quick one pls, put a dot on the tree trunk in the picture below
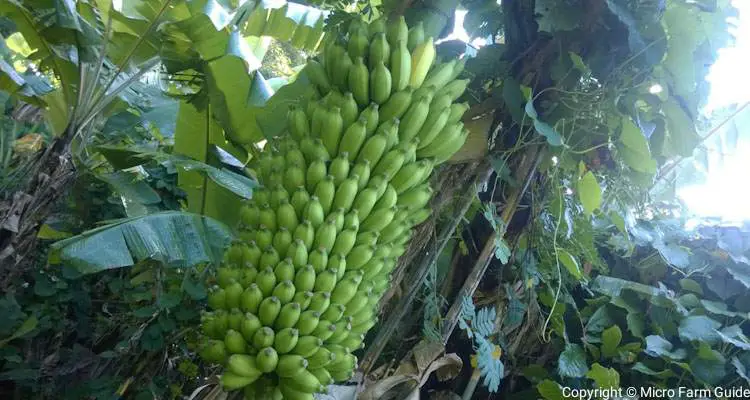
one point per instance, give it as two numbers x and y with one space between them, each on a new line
23 213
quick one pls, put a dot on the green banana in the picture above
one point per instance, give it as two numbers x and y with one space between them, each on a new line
447 135
304 382
325 190
396 105
269 258
325 236
285 340
443 153
345 290
454 89
305 231
364 202
416 197
298 124
232 295
320 302
217 298
341 68
290 365
373 149
263 337
303 298
416 36
413 119
322 375
372 116
269 309
381 83
234 342
349 110
457 111
339 168
358 44
380 51
324 330
299 199
362 172
409 175
318 259
432 127
336 217
359 81
326 281
308 345
334 312
344 242
304 280
345 194
351 219
353 139
397 30
377 26
296 256
316 171
359 256
379 219
332 130
265 282
422 58
281 241
284 291
267 359
230 381
251 297
214 351
373 268
288 316
440 75
390 163
400 66
314 213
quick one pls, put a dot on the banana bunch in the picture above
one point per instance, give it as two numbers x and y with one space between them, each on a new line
306 35
340 195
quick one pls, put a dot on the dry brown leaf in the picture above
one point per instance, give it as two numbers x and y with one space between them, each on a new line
444 395
393 387
425 352
28 144
475 147
446 367
406 386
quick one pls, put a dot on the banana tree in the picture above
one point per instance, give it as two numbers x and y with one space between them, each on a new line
74 46
96 57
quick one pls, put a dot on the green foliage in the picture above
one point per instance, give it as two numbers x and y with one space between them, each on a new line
176 239
114 326
543 128
629 298
502 251
630 302
589 193
645 322
432 324
480 327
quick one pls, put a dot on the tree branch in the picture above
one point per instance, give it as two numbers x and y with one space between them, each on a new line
526 170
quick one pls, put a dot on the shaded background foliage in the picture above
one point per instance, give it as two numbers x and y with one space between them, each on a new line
569 267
